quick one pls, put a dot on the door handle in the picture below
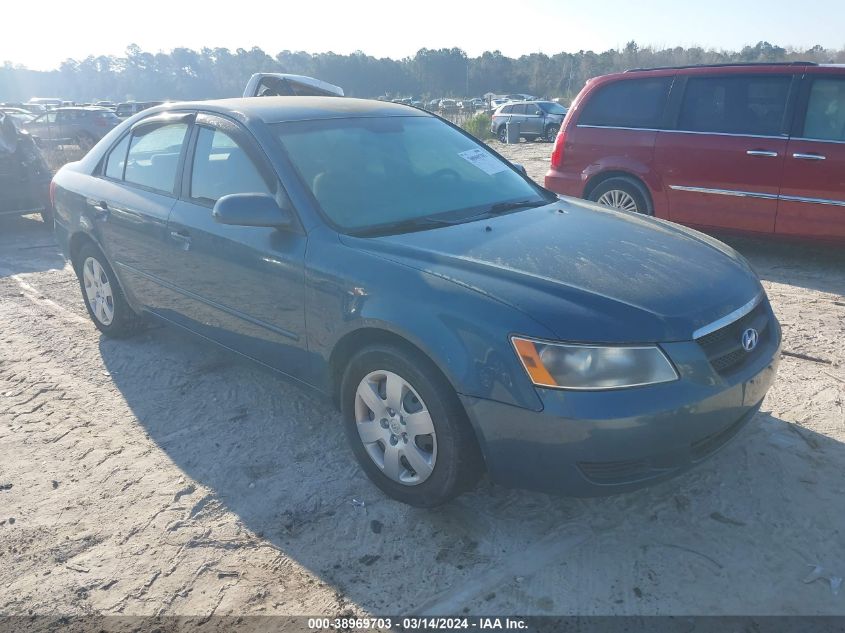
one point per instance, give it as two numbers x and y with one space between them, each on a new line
183 238
101 209
762 152
801 156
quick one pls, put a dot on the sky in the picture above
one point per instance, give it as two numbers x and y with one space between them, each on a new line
41 35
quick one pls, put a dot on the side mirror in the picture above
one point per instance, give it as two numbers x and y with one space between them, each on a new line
251 209
520 168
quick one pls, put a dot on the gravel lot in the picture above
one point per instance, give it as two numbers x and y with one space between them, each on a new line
160 475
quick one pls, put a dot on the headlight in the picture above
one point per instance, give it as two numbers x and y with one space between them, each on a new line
567 366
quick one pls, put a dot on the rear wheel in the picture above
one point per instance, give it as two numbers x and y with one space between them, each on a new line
407 427
102 295
621 194
503 134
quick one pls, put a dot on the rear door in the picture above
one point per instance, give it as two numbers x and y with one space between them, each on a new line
131 206
240 286
721 165
812 199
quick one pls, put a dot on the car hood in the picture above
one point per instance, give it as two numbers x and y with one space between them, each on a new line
585 272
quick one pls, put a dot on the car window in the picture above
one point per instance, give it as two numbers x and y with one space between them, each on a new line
634 103
222 167
117 160
50 117
153 156
506 109
377 172
825 119
735 104
553 108
532 108
518 109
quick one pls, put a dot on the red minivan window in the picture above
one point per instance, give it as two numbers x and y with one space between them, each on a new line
635 103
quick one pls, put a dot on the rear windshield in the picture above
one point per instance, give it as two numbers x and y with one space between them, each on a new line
378 172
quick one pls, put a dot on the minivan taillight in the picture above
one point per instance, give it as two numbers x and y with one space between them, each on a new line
557 150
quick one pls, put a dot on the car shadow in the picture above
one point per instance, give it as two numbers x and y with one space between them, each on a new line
276 457
813 266
27 245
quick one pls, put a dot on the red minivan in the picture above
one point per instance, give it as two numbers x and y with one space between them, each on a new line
756 148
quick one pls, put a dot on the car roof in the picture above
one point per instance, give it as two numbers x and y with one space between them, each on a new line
283 109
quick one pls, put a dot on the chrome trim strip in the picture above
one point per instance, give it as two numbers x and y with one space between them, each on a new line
816 140
736 315
782 137
726 192
835 203
763 196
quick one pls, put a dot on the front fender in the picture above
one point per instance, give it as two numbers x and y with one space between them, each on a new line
465 333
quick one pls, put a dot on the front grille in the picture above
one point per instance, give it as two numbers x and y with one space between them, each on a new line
724 346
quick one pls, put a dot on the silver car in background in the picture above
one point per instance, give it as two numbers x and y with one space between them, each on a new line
537 119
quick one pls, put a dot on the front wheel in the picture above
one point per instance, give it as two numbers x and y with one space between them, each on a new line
551 133
407 427
103 296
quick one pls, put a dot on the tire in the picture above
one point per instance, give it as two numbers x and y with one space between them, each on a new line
622 194
529 138
448 460
551 133
502 134
92 267
47 218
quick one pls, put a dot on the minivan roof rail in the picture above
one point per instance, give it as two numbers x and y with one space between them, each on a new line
727 65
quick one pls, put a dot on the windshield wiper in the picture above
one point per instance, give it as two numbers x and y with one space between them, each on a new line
504 207
400 227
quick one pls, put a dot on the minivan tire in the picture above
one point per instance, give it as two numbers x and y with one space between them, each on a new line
458 464
125 321
626 191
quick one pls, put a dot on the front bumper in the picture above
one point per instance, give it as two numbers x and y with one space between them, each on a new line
604 442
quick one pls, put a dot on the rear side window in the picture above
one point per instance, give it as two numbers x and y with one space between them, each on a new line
153 157
634 103
117 160
506 109
222 167
825 119
735 104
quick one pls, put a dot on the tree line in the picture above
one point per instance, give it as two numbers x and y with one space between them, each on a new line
218 72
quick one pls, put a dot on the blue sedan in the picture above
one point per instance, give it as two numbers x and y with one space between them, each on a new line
463 318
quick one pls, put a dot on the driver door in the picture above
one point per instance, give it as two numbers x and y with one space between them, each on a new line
240 286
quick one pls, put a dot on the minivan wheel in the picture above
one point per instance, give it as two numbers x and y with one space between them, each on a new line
503 134
551 133
102 295
618 193
407 427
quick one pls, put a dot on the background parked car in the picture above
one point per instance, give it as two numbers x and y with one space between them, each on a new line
126 110
752 147
72 126
448 106
19 116
536 119
24 175
46 103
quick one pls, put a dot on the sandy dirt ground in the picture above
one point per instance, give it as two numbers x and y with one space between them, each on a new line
160 475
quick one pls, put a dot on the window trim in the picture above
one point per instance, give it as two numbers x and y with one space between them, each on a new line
187 117
215 121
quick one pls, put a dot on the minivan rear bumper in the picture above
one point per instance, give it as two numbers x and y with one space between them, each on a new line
597 443
567 184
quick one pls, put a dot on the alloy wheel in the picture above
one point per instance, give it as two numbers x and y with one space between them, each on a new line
618 199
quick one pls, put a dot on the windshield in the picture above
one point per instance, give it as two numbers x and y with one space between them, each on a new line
388 172
552 108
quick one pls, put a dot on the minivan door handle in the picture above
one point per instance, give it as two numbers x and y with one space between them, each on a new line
801 156
762 152
183 238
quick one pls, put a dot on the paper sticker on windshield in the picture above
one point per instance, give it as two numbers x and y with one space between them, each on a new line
484 161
